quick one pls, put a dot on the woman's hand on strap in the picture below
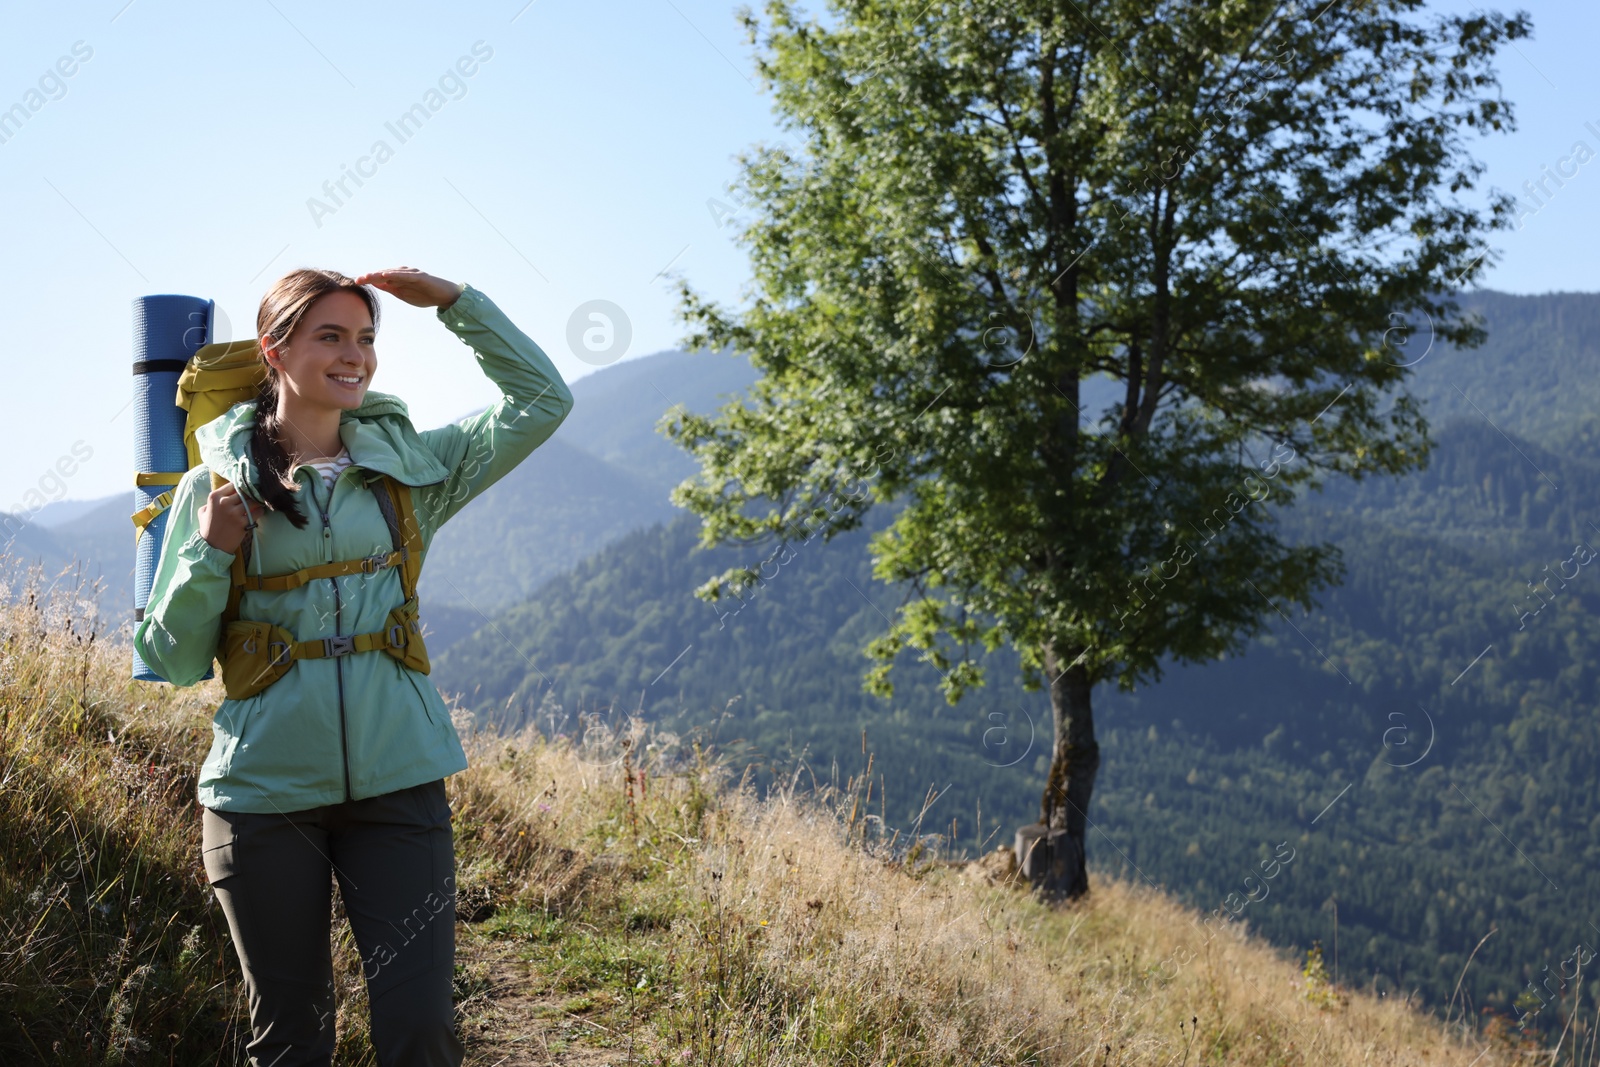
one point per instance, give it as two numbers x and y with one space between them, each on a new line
224 517
415 287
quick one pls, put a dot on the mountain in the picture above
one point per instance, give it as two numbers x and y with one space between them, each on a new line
555 508
1425 737
615 410
60 512
1538 375
601 475
25 545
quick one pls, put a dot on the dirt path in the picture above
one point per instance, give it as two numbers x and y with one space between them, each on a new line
514 1019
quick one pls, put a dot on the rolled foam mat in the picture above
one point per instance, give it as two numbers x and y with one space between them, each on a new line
167 330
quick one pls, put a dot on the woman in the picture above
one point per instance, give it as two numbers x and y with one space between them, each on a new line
339 764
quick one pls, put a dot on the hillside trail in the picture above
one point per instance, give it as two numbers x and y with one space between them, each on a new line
516 1019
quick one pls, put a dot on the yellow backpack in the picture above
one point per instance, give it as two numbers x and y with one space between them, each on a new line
216 377
254 654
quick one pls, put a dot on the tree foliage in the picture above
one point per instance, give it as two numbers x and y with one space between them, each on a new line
1224 210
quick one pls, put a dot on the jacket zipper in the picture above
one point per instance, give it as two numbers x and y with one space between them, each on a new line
338 661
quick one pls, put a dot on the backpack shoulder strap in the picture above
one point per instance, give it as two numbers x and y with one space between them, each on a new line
240 554
236 588
394 500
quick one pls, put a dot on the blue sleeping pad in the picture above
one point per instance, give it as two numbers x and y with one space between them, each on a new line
167 330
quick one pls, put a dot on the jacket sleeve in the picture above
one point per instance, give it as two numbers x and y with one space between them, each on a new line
483 448
182 620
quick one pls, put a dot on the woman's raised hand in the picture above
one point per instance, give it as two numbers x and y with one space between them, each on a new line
414 286
225 516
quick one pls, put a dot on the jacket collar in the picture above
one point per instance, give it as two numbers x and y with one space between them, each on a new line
378 434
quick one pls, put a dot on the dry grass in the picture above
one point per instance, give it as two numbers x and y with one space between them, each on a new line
622 900
108 944
792 943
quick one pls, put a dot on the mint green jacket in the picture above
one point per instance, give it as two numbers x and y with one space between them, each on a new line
358 725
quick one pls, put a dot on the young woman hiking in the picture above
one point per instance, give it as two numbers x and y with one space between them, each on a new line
335 770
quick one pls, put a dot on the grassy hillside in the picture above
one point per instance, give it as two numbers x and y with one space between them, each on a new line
624 897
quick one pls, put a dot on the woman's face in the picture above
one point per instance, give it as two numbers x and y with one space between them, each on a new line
335 340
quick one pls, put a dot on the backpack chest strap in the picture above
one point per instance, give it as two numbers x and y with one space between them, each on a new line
278 583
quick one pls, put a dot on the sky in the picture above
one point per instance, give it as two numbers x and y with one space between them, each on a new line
193 147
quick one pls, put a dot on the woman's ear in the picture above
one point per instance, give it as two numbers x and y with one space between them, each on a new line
271 353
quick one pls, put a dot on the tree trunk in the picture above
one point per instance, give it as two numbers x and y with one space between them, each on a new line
1051 851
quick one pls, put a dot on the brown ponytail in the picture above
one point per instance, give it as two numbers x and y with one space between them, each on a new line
282 308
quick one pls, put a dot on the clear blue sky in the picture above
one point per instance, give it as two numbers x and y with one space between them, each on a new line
573 164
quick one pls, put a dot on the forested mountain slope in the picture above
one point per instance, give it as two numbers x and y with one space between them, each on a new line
1426 738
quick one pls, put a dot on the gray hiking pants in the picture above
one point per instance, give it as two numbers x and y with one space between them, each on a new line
394 858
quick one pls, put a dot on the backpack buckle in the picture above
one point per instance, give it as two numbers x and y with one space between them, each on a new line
374 563
279 659
397 636
339 646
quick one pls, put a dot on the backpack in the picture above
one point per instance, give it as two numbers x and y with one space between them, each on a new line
256 653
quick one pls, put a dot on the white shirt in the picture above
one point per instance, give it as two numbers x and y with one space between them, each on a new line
330 468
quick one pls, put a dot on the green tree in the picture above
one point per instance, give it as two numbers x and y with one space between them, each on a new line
1229 215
